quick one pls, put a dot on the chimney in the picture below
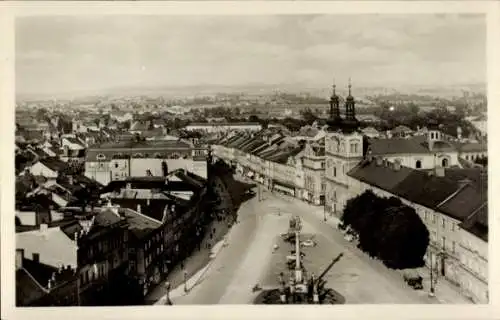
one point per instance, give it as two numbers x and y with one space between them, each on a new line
439 171
19 258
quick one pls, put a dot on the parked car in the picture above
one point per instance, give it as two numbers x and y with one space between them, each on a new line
414 280
308 243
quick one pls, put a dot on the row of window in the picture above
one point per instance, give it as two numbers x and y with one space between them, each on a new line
102 157
473 157
433 217
156 238
94 273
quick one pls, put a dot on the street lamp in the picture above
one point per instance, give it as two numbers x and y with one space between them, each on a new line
185 281
324 211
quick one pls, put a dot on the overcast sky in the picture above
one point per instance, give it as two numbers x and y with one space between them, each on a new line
66 54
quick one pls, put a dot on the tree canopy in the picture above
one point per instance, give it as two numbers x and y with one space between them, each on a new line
387 230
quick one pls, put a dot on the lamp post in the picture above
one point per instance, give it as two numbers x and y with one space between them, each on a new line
185 281
324 211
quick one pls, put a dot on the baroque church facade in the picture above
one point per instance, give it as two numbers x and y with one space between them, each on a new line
343 151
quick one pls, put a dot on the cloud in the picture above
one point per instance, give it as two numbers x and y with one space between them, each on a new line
66 53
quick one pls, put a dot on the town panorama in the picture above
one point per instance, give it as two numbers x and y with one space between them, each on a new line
332 193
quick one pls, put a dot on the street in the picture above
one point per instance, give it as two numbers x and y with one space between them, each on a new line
248 259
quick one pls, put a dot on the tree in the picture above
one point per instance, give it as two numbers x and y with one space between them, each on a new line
308 116
253 118
387 229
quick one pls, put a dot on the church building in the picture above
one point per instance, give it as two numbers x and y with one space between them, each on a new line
343 151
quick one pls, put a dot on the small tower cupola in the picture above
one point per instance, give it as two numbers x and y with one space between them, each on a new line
350 111
334 119
433 136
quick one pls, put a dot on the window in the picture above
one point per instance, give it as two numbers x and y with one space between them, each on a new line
443 242
322 165
443 222
334 171
36 257
453 246
425 216
354 148
444 163
418 164
433 218
116 164
452 226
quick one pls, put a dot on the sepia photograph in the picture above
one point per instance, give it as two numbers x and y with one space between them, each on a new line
258 159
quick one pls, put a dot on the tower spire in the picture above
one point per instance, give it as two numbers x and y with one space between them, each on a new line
335 119
351 123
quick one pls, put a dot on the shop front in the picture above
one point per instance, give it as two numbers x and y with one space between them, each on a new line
285 188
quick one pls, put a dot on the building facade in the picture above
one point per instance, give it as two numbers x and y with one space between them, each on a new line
117 161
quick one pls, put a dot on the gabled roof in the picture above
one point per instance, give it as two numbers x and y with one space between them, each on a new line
140 225
256 143
54 164
450 194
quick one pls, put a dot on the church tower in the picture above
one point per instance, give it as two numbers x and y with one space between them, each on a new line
343 151
334 122
350 123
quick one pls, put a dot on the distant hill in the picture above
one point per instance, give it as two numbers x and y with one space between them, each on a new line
172 92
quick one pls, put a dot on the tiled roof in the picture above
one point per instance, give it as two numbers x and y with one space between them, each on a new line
427 190
184 183
256 143
477 223
129 148
449 194
107 218
28 291
380 176
225 124
472 147
233 143
54 164
413 145
140 225
467 200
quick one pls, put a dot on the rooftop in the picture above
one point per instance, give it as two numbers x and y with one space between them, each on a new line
457 194
140 225
413 145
